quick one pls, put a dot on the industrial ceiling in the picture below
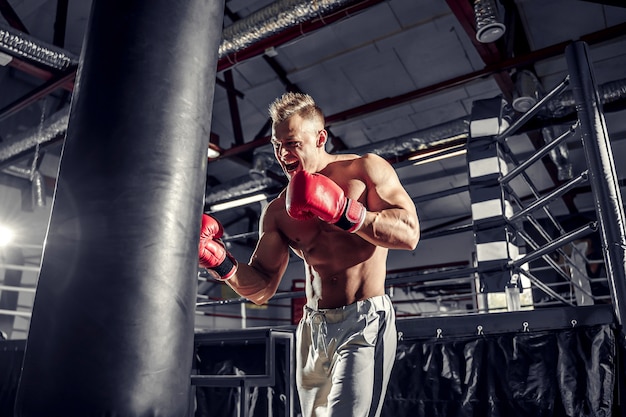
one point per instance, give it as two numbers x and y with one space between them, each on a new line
394 77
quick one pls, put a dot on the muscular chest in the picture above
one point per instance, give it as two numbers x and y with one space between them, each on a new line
307 236
352 186
322 244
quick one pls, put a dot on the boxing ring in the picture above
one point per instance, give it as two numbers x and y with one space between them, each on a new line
558 357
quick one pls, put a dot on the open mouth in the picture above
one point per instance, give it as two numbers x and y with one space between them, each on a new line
292 166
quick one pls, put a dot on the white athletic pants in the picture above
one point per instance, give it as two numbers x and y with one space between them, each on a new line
344 358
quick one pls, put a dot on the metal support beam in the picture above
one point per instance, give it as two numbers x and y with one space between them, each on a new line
597 147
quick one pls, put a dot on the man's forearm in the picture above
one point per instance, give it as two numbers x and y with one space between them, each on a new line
250 284
391 228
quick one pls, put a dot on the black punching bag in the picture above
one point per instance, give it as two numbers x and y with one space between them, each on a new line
112 326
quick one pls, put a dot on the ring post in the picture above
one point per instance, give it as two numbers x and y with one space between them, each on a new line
603 176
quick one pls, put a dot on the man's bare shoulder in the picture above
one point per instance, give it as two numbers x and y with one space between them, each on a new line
276 206
372 158
346 157
366 163
343 161
368 158
274 215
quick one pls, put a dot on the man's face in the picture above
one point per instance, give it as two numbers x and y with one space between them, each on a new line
297 142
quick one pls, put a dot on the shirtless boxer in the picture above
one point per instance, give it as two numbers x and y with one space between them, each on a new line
341 214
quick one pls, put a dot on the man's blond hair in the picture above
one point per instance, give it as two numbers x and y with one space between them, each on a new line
290 104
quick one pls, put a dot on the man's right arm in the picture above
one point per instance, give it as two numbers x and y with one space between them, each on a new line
259 279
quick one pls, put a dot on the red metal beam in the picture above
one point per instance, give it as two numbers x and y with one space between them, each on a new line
38 93
40 73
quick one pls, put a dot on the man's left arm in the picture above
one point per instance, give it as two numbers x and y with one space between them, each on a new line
391 219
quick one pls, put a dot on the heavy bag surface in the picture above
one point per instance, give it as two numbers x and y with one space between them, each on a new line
112 326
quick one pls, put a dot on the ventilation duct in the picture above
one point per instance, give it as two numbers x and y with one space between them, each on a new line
18 172
238 188
48 130
560 154
18 43
565 104
37 186
263 162
273 19
262 24
417 141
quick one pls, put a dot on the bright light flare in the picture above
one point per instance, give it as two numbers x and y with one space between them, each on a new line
6 235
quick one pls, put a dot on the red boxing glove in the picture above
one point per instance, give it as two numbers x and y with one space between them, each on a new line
310 195
212 254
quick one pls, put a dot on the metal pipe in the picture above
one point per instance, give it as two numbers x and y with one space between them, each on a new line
446 232
551 246
15 313
545 200
240 300
440 194
20 267
16 289
527 180
543 287
421 277
391 281
538 155
247 235
547 259
23 245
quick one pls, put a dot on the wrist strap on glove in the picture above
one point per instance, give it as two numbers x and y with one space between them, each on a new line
352 217
226 269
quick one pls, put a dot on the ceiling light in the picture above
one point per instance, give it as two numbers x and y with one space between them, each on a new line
6 235
238 202
438 155
488 27
271 52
